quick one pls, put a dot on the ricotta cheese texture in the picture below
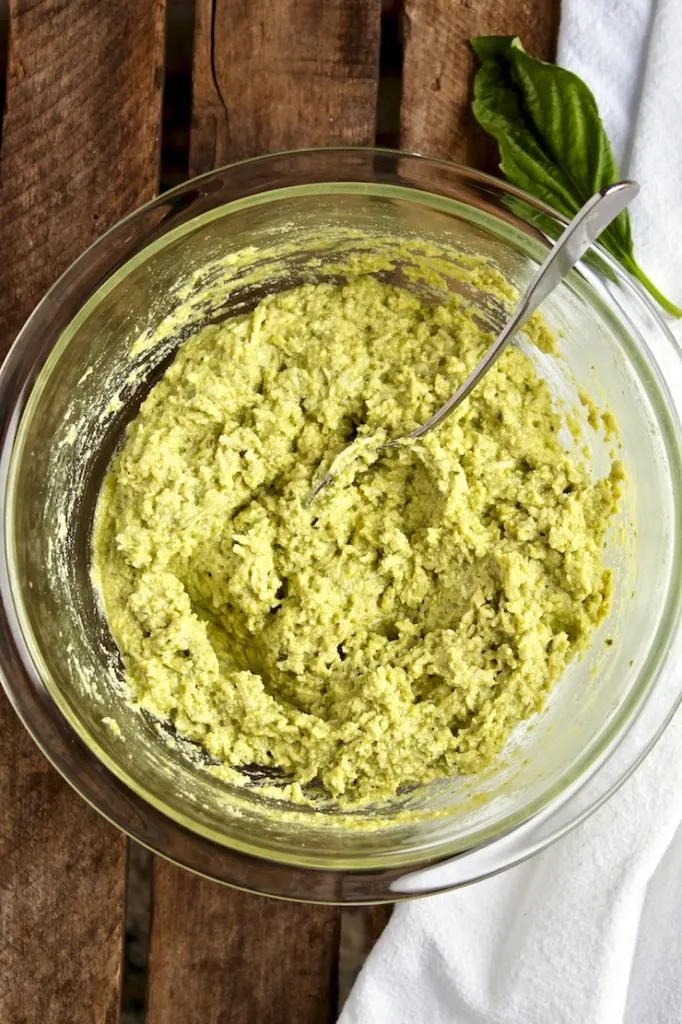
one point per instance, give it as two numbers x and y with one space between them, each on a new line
396 630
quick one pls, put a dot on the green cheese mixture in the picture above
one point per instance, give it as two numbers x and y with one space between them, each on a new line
396 630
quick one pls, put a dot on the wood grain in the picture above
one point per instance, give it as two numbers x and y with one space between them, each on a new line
219 956
79 149
81 131
62 889
280 74
439 65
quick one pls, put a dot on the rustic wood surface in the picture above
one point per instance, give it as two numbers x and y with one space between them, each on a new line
439 64
79 149
218 955
281 74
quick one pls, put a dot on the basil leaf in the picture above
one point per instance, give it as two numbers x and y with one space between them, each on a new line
499 109
551 139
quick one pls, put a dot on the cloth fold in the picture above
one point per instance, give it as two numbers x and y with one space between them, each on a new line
590 930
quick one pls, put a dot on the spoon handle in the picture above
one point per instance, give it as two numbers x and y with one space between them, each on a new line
578 236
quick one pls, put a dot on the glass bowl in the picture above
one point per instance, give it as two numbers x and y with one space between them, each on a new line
66 393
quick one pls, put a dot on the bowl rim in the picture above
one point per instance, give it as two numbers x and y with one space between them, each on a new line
163 832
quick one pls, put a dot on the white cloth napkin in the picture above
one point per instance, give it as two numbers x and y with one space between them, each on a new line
590 930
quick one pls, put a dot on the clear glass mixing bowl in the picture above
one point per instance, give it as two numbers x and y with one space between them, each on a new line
66 394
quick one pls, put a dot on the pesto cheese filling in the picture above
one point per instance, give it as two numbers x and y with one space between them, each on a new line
396 630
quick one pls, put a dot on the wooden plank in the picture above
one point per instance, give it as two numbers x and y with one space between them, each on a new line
378 918
268 75
279 74
438 69
219 956
79 149
80 136
4 41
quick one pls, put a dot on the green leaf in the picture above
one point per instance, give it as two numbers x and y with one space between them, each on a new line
491 47
498 108
551 139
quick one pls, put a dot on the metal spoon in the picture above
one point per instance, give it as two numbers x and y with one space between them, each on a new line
579 235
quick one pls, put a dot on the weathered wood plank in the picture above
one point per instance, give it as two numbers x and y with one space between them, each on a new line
279 74
378 918
80 135
79 149
439 65
219 956
268 75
